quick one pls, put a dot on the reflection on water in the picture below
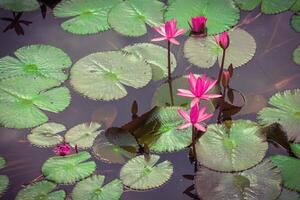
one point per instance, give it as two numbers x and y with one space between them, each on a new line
271 70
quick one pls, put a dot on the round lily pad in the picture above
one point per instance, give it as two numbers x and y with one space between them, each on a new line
68 169
19 5
83 135
34 61
203 52
131 16
4 181
260 182
160 132
46 135
155 56
288 195
286 112
247 5
22 98
296 56
276 6
41 190
295 22
213 10
87 17
141 174
227 149
2 162
290 172
295 149
102 76
92 189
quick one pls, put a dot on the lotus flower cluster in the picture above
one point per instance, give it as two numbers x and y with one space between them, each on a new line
62 149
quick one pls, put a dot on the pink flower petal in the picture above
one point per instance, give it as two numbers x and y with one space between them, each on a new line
195 101
179 32
194 114
160 30
174 41
204 117
200 127
192 81
183 114
211 96
186 125
185 93
159 39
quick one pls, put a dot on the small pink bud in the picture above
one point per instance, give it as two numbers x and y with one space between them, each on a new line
198 24
223 40
62 149
225 78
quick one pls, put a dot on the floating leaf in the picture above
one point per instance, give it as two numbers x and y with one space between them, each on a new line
46 135
2 162
155 56
288 195
19 5
213 10
88 16
4 181
232 149
286 112
83 135
296 6
141 174
296 56
290 172
160 132
203 52
260 182
102 76
41 190
112 153
247 5
295 149
21 98
34 61
276 6
295 22
68 169
131 16
92 189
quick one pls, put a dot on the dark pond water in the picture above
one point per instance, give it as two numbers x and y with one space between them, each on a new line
271 70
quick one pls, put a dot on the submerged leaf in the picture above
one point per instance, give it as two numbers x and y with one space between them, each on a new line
232 149
19 5
131 16
286 112
260 182
21 98
4 181
41 190
141 174
102 75
34 61
46 135
295 23
92 189
68 169
296 55
83 135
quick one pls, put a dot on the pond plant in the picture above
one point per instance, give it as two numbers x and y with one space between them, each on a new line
230 155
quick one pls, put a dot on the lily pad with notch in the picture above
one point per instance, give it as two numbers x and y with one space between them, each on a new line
102 75
92 189
19 5
68 169
142 174
260 182
233 146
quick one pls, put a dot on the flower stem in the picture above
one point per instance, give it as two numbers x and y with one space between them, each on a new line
222 67
194 137
169 74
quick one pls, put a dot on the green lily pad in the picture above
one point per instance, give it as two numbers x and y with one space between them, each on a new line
22 98
41 190
141 174
2 162
160 132
4 181
155 56
88 17
213 10
295 149
92 189
46 135
83 135
261 182
131 16
34 61
102 76
228 149
296 6
296 56
290 172
68 169
288 195
247 5
295 22
113 153
286 112
276 6
121 137
19 5
203 52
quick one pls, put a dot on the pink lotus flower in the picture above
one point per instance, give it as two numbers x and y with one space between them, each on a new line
198 89
199 24
169 31
223 40
62 149
195 118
